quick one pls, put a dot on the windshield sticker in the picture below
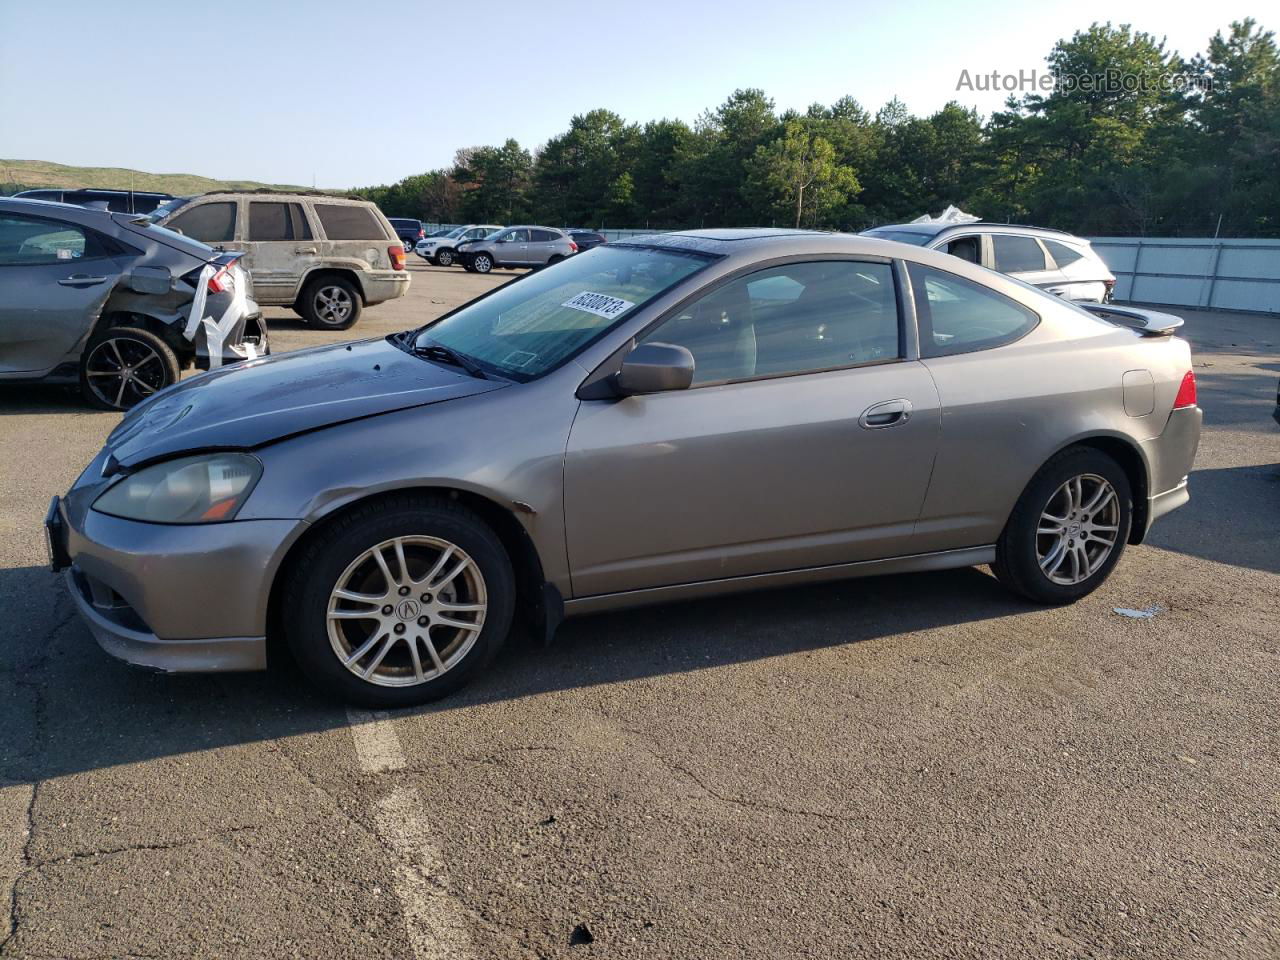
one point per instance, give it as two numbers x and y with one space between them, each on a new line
600 304
519 358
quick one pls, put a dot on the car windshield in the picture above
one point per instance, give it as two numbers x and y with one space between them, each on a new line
533 325
456 232
902 236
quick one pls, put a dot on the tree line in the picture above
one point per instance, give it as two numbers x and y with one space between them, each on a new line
1142 157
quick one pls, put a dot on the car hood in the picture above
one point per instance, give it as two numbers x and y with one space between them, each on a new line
253 403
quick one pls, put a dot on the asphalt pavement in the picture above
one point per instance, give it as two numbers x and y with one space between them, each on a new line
913 766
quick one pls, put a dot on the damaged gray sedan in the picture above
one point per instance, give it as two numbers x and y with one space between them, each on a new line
119 306
673 416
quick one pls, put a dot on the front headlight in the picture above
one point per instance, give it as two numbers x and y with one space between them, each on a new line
207 488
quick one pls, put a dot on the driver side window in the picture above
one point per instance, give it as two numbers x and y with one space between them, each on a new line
796 318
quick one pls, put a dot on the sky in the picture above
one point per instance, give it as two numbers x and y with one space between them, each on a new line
347 94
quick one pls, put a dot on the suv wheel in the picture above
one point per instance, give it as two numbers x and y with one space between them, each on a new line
124 365
331 303
444 258
1068 530
482 263
399 602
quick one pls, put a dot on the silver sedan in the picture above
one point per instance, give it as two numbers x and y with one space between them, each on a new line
675 416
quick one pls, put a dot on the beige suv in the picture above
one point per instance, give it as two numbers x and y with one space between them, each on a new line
324 256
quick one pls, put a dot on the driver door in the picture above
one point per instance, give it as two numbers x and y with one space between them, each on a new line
806 439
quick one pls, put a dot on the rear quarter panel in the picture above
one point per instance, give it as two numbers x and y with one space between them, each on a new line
1006 411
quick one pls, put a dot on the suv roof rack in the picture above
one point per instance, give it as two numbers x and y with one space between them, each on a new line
287 193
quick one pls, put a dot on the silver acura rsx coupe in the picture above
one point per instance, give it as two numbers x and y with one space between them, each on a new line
674 416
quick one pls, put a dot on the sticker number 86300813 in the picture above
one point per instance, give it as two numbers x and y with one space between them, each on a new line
602 305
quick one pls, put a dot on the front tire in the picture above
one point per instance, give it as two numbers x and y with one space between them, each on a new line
123 366
444 258
331 303
482 263
1068 529
399 602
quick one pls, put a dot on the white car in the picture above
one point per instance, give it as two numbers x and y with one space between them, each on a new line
1056 262
442 250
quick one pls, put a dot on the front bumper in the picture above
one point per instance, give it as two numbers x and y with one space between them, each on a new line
171 597
109 622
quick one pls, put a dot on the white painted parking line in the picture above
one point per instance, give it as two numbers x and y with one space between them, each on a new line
434 920
376 742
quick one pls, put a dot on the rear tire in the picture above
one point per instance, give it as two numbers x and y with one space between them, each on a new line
330 303
122 366
340 558
444 258
1068 529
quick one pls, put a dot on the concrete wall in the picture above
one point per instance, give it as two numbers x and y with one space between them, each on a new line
1217 274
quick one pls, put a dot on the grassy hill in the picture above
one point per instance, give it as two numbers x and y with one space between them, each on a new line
18 175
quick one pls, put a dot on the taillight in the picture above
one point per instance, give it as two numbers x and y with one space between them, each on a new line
397 257
573 247
224 280
421 233
1186 393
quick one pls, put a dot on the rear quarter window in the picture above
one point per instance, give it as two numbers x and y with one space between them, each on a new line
349 222
1062 254
956 315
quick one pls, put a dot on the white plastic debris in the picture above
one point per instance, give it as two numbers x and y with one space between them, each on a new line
952 214
216 332
1145 614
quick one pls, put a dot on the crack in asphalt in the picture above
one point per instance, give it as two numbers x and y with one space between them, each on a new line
26 869
37 866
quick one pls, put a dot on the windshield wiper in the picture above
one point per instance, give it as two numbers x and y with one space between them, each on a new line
438 351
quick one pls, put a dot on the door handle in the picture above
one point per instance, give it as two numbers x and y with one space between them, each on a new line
80 280
304 249
887 413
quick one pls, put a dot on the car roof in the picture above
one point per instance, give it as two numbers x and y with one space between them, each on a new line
985 226
49 207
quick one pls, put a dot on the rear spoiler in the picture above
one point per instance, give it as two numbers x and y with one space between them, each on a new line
1149 323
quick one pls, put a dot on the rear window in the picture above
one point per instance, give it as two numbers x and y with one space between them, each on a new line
342 221
1017 254
207 222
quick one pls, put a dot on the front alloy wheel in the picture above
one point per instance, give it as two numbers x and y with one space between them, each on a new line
406 611
444 258
483 263
398 600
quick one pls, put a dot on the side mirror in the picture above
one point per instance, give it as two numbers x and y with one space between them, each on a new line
150 280
655 368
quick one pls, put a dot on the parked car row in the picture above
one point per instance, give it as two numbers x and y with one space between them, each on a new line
480 247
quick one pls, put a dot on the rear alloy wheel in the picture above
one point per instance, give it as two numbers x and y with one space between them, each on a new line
444 258
1069 528
331 303
400 603
124 366
482 263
